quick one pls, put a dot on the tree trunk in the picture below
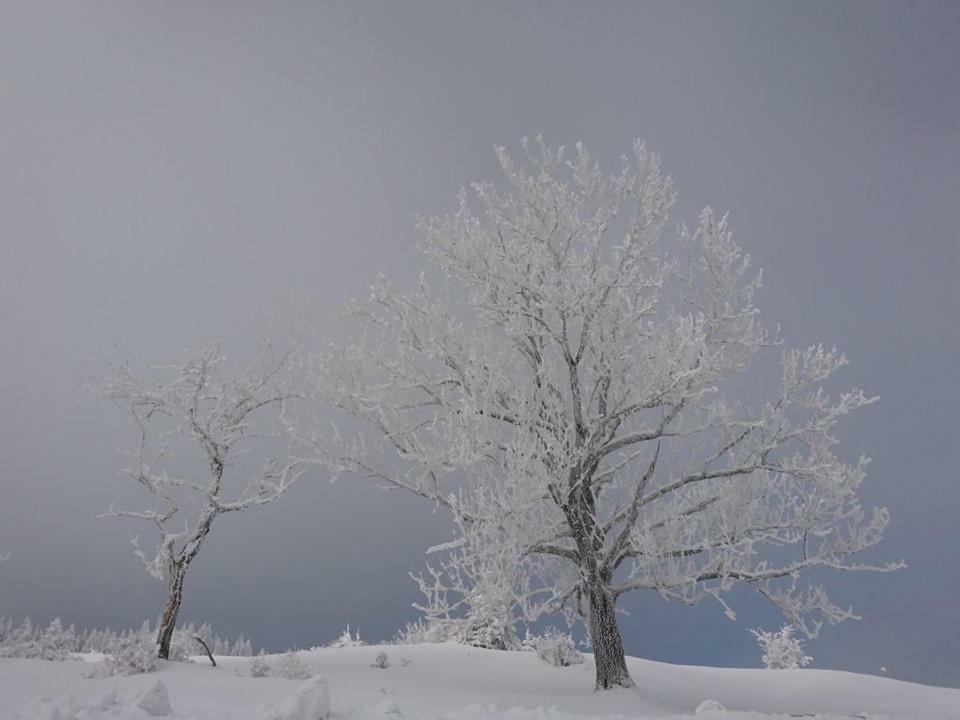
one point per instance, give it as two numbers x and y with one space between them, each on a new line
607 645
206 649
168 619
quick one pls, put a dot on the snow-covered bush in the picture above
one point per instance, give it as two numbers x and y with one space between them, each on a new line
781 650
554 647
484 632
241 648
413 633
292 665
29 641
347 640
56 642
382 661
295 666
135 656
490 632
433 630
259 667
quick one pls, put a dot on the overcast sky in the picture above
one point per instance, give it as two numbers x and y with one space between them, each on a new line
167 167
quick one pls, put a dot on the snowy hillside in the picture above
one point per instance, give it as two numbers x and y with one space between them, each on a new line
453 682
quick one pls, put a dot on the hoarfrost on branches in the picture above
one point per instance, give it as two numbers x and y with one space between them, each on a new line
346 640
294 665
554 648
126 652
565 401
206 405
781 650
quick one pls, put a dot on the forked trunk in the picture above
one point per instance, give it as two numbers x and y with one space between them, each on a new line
607 644
168 619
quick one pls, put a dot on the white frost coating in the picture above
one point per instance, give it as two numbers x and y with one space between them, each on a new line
311 701
203 404
781 650
565 400
153 699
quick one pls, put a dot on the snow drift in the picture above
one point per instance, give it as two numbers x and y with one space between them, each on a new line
455 682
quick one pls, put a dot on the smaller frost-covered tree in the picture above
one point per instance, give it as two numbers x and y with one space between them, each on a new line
242 647
479 590
781 650
202 403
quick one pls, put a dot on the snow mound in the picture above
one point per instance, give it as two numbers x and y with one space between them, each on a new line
709 706
154 700
311 701
389 710
478 711
143 702
454 682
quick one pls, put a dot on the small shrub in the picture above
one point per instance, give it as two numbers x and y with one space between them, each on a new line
381 661
346 640
294 666
490 633
133 658
291 665
256 668
555 648
413 633
259 667
781 650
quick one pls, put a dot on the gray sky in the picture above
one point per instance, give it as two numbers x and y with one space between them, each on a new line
165 168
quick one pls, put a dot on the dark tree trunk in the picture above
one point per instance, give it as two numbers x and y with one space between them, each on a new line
607 644
168 619
178 569
206 649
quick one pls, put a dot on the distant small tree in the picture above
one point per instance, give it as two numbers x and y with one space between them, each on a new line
781 650
242 647
220 410
479 590
564 398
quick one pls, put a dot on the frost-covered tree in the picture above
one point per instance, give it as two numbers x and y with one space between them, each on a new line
204 404
566 399
242 647
480 588
781 650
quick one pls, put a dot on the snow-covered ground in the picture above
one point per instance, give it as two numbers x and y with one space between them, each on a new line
454 682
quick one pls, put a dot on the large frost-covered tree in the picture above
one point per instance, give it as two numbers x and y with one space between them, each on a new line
213 413
566 398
